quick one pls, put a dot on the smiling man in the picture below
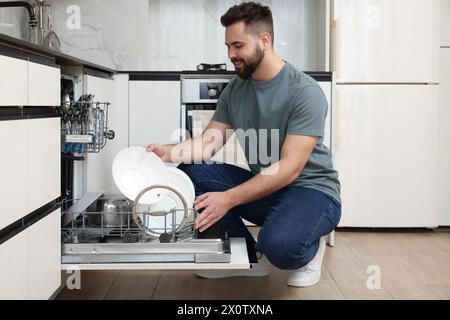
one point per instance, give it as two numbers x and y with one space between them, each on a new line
295 198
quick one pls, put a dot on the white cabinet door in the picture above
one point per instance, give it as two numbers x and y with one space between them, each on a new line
13 82
14 267
45 256
98 166
154 112
445 23
386 153
386 41
13 171
444 140
44 85
44 161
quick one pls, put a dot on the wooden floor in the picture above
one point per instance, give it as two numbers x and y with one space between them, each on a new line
411 265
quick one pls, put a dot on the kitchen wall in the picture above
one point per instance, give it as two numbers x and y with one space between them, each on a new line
14 22
176 42
172 34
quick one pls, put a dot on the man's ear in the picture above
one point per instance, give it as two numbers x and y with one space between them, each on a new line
266 40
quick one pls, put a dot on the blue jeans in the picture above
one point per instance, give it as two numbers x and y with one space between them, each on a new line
292 219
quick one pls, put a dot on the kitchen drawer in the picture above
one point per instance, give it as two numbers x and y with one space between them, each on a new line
45 256
13 82
13 171
44 85
14 267
44 161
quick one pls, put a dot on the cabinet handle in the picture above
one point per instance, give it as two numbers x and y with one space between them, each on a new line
336 25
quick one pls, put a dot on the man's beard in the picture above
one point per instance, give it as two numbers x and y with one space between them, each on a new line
248 68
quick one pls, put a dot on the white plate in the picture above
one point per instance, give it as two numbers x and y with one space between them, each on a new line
135 169
183 184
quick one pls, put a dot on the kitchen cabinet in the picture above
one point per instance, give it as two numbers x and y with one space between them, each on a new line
30 261
44 161
13 81
387 40
386 150
14 267
445 23
13 171
444 138
44 85
45 256
27 83
154 112
98 166
30 183
30 174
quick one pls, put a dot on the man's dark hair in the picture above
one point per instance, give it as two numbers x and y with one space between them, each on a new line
257 18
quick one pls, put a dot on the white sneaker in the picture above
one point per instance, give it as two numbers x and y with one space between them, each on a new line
310 274
260 269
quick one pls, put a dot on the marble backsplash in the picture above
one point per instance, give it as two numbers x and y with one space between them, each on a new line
171 34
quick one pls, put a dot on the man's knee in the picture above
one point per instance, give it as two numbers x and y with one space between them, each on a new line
281 251
186 167
194 171
202 175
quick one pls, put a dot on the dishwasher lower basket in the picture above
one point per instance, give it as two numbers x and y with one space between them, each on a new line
86 239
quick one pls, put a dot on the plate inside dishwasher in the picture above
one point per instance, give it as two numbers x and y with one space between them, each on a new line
88 244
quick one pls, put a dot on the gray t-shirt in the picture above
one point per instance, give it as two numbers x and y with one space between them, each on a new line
291 102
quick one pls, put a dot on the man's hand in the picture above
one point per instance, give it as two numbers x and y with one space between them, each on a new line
160 151
215 205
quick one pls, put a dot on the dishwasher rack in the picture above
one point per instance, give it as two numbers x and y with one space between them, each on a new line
91 226
84 125
90 240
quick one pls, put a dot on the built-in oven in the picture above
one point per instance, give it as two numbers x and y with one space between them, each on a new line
200 92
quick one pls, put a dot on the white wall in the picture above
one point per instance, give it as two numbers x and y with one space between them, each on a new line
14 22
173 34
178 43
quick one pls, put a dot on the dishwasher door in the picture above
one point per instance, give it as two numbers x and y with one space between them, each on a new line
89 244
237 258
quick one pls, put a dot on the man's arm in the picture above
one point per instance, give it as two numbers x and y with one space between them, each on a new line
294 155
295 152
200 148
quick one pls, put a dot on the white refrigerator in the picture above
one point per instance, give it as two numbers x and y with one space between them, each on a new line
385 56
444 116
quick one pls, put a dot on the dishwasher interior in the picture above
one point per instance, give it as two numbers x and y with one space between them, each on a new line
98 235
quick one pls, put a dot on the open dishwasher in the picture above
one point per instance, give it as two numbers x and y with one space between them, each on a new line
96 237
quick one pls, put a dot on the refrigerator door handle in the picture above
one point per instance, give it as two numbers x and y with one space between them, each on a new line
336 67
